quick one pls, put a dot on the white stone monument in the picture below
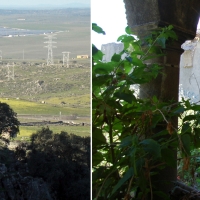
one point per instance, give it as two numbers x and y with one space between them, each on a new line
110 49
189 80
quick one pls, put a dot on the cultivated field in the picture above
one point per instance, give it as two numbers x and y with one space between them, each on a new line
36 90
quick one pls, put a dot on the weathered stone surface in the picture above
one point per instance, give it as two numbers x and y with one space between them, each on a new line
110 49
143 16
190 73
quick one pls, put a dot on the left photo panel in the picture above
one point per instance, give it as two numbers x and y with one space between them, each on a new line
45 100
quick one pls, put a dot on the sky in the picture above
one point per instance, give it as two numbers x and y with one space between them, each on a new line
38 2
109 15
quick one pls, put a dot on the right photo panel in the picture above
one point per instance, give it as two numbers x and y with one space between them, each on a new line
145 100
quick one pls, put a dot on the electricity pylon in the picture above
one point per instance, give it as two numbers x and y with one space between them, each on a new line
66 58
50 47
11 72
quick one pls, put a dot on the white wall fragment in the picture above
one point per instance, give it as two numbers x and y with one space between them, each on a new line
189 79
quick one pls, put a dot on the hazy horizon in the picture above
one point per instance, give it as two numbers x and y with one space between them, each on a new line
42 4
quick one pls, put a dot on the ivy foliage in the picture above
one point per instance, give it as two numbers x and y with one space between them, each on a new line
128 148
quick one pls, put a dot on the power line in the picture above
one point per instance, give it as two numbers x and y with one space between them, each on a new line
50 47
11 72
66 58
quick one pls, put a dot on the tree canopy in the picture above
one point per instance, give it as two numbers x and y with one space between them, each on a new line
8 120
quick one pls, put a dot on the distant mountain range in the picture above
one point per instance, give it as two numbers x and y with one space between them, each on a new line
47 7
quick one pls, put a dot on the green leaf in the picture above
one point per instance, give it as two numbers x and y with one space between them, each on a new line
155 49
101 81
116 57
152 147
97 55
97 172
104 68
179 110
137 52
108 91
135 60
151 56
127 141
187 104
127 66
196 107
161 41
128 30
186 141
96 158
170 27
128 97
97 137
97 29
155 99
126 176
189 118
117 124
125 38
197 137
186 128
170 33
94 49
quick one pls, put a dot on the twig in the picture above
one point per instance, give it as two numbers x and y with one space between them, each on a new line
150 185
129 185
142 57
155 166
161 114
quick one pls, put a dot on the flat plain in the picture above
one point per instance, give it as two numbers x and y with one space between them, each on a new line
71 25
35 89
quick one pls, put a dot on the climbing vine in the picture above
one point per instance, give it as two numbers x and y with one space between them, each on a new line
133 138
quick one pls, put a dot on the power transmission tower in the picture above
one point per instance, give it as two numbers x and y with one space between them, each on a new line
50 47
11 72
66 58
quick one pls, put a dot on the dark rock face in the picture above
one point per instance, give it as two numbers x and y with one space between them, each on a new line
15 186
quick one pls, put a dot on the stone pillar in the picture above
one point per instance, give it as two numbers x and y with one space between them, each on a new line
146 16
